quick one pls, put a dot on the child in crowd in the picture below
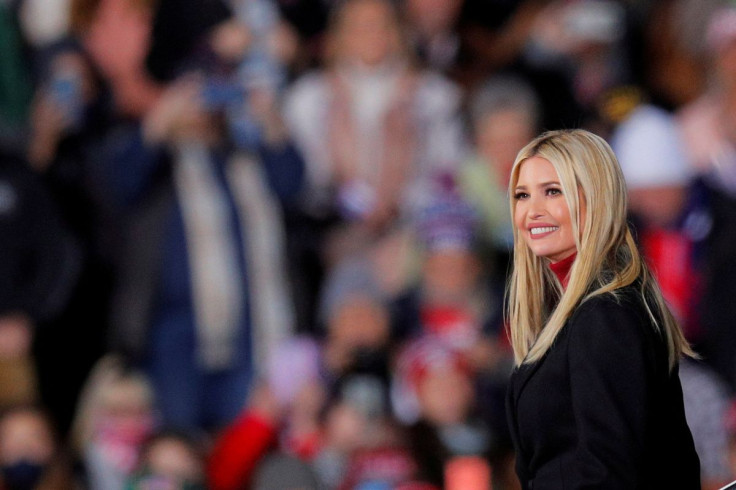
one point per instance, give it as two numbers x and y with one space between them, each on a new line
363 447
453 297
116 414
436 380
357 321
170 460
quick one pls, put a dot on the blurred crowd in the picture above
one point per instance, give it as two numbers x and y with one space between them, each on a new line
264 243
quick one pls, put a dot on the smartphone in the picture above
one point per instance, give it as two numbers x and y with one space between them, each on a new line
218 94
66 89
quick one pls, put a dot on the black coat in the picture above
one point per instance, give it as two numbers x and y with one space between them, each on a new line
602 410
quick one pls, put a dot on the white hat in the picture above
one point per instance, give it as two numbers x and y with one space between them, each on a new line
650 150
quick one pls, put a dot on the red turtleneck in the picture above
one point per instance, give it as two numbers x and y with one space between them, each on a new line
562 269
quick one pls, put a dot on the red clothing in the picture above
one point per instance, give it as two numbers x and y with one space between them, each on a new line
669 253
238 450
562 269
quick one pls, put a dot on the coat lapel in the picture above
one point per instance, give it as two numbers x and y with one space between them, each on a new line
523 374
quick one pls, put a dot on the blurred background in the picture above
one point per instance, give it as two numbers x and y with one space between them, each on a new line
264 243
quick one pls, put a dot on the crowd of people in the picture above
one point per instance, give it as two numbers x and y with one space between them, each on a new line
265 243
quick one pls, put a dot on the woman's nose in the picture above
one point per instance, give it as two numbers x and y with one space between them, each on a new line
536 208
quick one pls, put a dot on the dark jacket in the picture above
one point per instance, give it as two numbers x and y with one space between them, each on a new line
39 260
602 409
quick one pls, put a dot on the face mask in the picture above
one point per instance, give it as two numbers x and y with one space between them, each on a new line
120 443
22 475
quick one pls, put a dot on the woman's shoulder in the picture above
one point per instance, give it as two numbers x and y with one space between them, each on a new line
610 328
621 314
624 297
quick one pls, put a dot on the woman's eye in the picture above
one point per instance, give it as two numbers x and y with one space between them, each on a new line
554 192
520 195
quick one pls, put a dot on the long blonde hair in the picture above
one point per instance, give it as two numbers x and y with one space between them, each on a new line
607 255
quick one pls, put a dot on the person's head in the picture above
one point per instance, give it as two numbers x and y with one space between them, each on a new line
450 276
364 31
445 393
445 226
115 35
171 459
654 162
440 379
568 195
504 115
432 17
352 306
360 321
27 446
355 413
115 414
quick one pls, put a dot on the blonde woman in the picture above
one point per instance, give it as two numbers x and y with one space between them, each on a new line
595 400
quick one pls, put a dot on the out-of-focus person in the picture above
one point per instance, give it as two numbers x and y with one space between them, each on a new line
684 226
202 294
586 41
493 36
362 444
37 274
504 114
30 453
679 220
674 54
370 125
116 414
283 419
171 460
69 118
708 125
441 381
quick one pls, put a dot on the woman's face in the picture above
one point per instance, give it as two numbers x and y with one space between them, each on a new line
541 213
